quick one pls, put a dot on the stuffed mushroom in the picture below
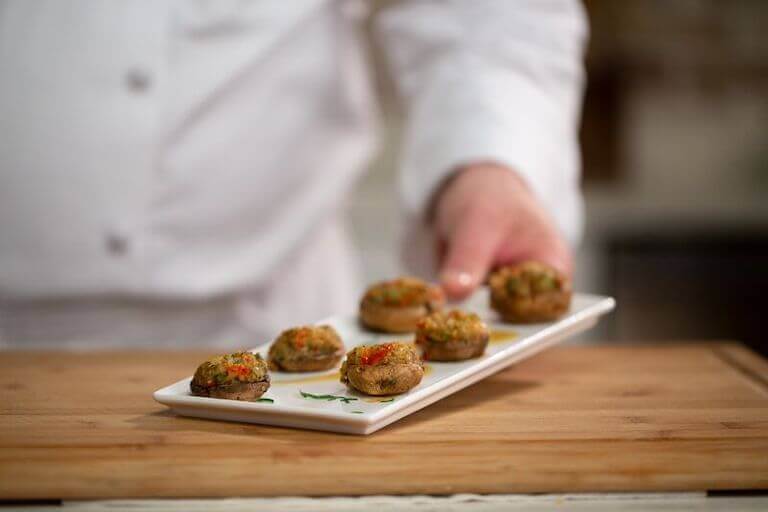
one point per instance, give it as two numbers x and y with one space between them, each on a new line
238 376
385 369
452 336
306 349
397 306
530 292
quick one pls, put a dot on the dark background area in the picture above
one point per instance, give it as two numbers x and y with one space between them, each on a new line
697 269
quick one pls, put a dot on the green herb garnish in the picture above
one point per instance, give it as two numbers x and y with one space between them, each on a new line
266 400
544 283
356 412
385 401
393 295
328 398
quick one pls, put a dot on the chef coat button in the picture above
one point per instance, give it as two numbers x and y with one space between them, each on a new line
117 245
137 80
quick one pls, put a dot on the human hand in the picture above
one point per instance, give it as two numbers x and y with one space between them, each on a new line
486 217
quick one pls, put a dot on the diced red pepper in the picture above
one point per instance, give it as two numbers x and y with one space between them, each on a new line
301 338
376 355
240 370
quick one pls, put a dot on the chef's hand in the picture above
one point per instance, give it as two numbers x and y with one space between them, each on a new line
486 216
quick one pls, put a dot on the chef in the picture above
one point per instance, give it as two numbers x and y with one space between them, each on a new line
173 172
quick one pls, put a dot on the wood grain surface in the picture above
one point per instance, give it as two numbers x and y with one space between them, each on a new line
575 418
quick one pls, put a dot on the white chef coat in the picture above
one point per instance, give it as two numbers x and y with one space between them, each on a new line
174 171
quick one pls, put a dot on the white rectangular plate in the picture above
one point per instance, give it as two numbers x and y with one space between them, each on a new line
360 414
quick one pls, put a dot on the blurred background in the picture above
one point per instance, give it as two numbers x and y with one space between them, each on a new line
675 153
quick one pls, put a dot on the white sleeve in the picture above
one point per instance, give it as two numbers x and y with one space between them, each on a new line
490 80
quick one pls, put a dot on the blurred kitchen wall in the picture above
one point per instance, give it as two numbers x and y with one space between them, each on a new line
675 149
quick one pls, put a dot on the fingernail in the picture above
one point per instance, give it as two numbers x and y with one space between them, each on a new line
457 277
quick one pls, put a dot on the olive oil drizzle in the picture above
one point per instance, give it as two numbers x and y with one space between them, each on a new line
377 400
501 336
329 377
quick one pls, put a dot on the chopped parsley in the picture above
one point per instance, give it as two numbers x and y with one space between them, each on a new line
266 400
328 398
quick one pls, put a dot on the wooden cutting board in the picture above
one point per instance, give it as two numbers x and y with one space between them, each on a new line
575 418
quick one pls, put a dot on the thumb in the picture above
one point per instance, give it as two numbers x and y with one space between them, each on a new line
470 253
